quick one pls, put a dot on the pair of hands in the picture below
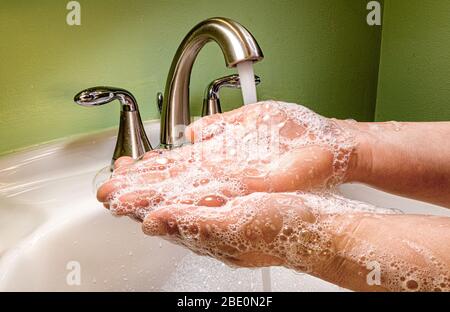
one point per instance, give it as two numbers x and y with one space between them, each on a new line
234 193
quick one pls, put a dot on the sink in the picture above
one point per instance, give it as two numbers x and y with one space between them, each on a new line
51 227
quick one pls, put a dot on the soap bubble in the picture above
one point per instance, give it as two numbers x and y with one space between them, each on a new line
101 177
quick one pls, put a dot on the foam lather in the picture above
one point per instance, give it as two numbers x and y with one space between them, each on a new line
226 200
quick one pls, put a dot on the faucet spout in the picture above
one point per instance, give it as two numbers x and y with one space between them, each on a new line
237 44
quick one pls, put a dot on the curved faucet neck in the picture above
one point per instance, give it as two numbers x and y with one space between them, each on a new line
237 44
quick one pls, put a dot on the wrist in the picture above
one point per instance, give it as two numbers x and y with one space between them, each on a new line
360 162
343 268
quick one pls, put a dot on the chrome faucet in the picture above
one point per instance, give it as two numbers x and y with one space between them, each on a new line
131 138
237 45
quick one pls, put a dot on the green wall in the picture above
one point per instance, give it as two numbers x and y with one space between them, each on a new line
414 79
317 52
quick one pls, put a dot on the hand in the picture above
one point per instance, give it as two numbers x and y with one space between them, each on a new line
268 146
278 146
325 235
256 230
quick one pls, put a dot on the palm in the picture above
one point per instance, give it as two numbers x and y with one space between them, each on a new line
256 230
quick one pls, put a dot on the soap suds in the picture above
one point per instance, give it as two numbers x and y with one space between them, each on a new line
254 144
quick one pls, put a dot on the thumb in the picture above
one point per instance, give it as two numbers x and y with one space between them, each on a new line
302 169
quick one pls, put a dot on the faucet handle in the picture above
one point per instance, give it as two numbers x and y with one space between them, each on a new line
102 95
211 101
131 138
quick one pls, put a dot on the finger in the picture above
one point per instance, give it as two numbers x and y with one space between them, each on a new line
123 161
187 222
152 154
160 223
122 166
107 189
128 203
123 170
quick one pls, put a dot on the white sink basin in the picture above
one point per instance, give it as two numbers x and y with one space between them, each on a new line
50 223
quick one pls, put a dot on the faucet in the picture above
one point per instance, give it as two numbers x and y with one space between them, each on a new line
131 139
237 45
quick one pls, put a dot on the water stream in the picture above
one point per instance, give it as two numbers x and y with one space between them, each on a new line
247 80
248 87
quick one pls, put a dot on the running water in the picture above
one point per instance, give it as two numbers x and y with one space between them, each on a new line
266 279
248 87
247 80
